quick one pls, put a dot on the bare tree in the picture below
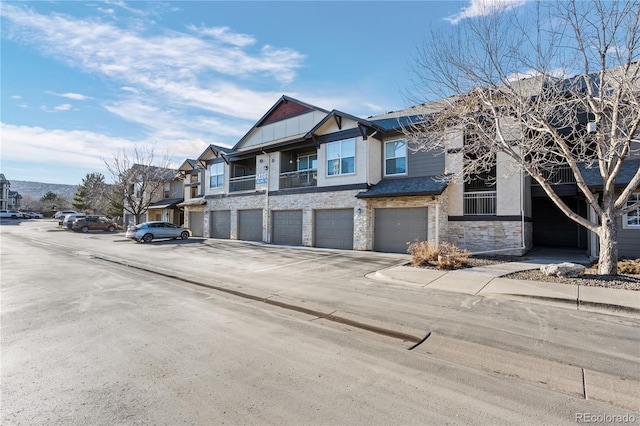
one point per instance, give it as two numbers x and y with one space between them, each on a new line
559 89
139 176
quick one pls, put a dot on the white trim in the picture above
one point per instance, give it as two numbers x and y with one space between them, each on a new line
327 159
625 218
384 158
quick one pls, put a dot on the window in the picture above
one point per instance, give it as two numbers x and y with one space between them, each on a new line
217 175
632 219
341 157
308 162
395 157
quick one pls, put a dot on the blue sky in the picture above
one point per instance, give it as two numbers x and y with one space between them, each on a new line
82 80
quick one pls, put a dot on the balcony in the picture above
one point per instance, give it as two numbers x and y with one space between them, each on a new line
244 183
480 203
558 176
298 179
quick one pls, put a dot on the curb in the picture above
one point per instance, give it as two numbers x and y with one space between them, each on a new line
352 320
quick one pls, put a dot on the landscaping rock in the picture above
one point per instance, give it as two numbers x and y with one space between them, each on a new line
565 269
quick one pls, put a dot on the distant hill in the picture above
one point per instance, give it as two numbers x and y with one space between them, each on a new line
38 189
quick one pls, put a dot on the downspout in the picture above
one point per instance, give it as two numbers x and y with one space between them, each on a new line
437 236
266 198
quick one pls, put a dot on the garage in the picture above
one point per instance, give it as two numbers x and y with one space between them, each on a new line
220 224
396 227
250 225
196 223
333 228
287 227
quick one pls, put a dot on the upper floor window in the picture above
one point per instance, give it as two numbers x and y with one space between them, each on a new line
395 157
217 175
341 157
632 219
480 165
167 190
308 162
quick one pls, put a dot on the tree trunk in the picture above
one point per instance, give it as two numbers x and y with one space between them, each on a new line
608 262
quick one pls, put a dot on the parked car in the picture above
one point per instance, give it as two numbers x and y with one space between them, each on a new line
33 215
11 214
67 222
147 231
94 223
62 213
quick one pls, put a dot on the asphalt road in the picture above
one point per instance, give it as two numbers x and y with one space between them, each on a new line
87 339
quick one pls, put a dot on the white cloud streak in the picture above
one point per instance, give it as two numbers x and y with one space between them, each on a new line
479 8
81 149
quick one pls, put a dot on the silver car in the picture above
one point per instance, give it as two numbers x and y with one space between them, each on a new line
148 231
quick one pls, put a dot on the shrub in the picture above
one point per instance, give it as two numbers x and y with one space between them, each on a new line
629 266
443 255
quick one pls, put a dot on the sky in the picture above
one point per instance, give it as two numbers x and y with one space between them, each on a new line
84 80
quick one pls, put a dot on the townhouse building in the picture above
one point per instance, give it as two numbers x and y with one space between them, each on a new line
306 176
155 193
5 186
9 200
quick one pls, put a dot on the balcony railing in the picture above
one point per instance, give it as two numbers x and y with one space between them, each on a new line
244 183
558 176
480 203
298 179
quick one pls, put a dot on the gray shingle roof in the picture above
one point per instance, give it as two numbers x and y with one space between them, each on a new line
593 179
403 187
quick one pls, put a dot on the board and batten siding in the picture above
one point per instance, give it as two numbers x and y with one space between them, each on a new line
628 242
423 163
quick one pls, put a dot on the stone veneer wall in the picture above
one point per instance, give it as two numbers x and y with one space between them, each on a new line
481 236
306 202
362 212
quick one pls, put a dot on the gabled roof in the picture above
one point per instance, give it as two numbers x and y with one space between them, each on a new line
214 151
405 187
285 107
338 116
188 165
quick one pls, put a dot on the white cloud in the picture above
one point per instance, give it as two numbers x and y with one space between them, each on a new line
61 107
225 35
146 62
483 8
16 97
82 150
69 95
556 72
79 148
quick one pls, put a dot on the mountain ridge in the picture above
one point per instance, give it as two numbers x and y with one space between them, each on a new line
39 189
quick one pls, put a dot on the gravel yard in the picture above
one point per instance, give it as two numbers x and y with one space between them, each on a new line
589 278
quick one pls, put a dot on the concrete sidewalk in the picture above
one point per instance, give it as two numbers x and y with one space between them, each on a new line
487 281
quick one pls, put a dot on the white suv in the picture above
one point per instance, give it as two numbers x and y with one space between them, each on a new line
63 213
10 214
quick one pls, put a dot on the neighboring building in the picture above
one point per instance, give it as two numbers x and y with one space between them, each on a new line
307 176
4 192
155 193
9 200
